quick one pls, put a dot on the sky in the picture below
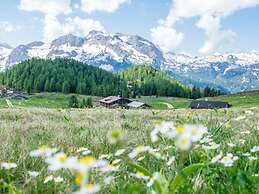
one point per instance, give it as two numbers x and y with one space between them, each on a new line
198 27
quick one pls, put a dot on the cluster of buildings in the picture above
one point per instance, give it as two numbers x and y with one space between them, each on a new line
117 101
5 92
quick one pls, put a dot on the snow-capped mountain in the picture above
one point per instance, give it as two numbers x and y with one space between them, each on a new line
113 52
5 51
232 72
116 52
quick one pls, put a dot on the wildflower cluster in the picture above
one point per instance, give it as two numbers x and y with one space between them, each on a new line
80 166
184 135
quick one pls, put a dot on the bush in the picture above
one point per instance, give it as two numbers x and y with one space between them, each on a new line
73 102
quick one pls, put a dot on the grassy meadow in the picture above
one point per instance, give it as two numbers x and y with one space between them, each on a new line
58 100
163 169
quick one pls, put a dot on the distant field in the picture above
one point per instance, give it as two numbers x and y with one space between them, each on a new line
244 100
45 100
54 100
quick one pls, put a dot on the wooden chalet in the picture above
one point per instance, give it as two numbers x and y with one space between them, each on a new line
203 104
114 101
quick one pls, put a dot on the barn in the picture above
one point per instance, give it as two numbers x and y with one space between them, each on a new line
203 104
114 101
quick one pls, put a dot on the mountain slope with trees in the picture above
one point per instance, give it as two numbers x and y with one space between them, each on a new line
63 75
70 76
148 81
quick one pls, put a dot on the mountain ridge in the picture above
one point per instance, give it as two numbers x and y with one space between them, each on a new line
233 72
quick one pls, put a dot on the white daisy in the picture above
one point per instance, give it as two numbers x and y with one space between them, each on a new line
58 179
217 158
139 150
33 173
8 166
228 160
255 149
43 151
120 152
140 175
184 142
48 179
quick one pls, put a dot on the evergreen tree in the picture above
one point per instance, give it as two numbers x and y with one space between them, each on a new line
65 87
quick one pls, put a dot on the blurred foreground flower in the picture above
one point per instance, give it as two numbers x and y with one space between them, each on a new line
114 136
184 135
43 151
33 173
8 166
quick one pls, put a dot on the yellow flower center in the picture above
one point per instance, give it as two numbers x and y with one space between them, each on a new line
115 134
158 122
43 149
194 131
87 160
228 125
226 158
179 129
110 166
62 158
184 142
79 179
140 174
140 148
89 186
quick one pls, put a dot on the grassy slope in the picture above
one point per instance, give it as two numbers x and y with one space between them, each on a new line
53 100
241 100
25 129
45 100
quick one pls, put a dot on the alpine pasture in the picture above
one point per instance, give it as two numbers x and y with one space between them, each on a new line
61 150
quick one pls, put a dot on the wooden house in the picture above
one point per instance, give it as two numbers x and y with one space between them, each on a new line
114 101
203 104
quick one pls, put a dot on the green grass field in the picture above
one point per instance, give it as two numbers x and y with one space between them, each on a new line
53 100
45 119
235 130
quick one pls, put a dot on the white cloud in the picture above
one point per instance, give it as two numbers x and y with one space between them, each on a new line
216 36
53 28
6 26
210 13
109 6
166 37
49 7
77 26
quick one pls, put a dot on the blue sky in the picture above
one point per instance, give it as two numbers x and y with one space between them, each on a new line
239 27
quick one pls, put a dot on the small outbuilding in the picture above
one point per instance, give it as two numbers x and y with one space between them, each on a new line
203 104
137 104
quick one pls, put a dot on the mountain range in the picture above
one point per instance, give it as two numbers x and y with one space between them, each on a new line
231 72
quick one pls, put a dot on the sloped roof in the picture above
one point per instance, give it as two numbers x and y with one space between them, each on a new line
209 104
110 99
136 104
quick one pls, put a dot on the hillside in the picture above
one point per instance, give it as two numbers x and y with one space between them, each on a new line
148 81
71 76
63 75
